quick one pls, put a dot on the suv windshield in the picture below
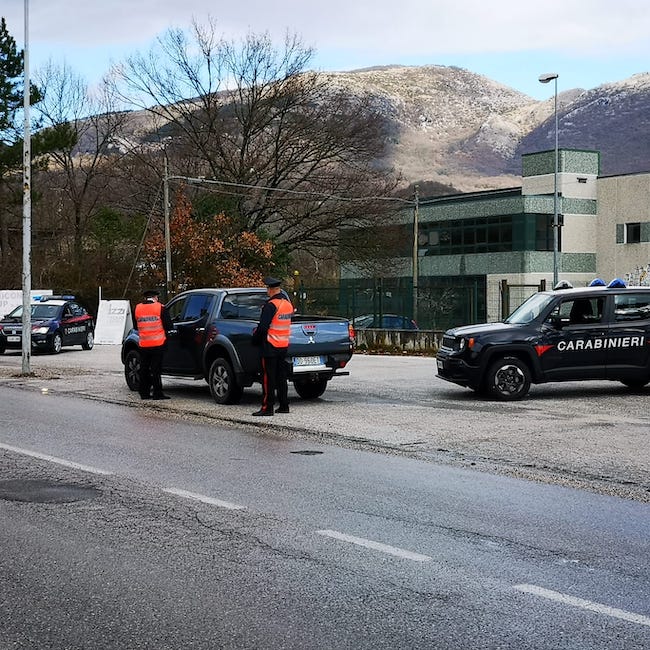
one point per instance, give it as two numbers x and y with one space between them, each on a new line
529 310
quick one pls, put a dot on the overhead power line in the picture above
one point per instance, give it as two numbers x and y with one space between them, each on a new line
323 195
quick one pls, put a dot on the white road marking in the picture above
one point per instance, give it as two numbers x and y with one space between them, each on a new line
584 604
54 459
204 499
376 546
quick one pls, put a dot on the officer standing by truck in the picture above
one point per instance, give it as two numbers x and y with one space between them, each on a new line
152 322
272 335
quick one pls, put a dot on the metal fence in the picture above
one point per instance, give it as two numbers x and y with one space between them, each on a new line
440 305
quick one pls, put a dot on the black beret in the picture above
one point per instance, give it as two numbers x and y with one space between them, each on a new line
272 282
151 293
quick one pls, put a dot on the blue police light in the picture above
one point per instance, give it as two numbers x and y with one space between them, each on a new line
597 282
617 283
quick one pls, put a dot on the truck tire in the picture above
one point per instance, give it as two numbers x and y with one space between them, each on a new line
310 388
508 379
132 365
223 383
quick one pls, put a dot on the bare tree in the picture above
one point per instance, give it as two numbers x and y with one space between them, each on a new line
299 156
87 128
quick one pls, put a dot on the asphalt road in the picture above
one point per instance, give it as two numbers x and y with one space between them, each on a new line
150 528
592 435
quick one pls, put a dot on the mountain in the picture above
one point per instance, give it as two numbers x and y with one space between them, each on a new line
465 130
447 126
613 118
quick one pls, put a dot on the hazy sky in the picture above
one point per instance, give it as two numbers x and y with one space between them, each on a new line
587 42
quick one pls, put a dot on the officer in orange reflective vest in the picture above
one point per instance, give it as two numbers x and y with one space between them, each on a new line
152 323
272 334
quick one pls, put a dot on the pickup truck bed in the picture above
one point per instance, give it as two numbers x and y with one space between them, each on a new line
212 339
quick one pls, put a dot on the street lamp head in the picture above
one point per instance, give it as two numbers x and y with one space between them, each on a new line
549 76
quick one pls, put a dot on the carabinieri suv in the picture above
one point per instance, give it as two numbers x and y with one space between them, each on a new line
564 335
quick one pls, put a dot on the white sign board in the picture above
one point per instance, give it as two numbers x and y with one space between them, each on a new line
11 298
113 322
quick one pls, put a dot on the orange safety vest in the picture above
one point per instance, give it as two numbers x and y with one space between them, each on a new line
148 316
280 327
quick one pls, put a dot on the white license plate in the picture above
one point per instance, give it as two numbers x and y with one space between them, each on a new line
307 361
308 364
13 339
441 365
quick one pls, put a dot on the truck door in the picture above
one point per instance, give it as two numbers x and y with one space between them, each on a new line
189 315
244 310
573 345
628 345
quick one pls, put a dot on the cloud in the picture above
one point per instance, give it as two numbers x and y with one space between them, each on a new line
380 27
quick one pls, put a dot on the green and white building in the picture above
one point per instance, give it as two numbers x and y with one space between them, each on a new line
470 247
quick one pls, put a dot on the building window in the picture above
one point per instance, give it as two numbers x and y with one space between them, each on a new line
633 233
461 236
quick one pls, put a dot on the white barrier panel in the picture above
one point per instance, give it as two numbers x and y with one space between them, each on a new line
113 322
11 298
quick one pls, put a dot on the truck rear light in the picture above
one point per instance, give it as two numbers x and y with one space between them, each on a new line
351 332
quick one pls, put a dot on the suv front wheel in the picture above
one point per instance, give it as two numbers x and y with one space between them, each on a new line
508 379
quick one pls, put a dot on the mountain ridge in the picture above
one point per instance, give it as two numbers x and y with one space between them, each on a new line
470 131
451 126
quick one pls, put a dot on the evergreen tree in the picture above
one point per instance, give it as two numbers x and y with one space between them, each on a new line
11 83
11 100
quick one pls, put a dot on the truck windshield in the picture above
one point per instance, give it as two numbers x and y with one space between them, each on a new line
529 310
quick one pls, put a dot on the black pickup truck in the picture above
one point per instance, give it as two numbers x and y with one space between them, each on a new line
211 339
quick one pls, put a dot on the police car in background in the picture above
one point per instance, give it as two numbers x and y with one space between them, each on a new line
597 332
57 321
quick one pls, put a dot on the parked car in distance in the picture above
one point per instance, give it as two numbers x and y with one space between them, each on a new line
57 321
384 322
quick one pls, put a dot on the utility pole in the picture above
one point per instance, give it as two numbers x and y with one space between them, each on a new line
27 209
416 270
168 239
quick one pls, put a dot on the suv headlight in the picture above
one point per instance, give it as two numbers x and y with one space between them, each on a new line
40 330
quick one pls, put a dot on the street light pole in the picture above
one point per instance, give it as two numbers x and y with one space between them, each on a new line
168 241
545 78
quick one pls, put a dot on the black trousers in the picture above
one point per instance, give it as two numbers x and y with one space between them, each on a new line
274 379
150 369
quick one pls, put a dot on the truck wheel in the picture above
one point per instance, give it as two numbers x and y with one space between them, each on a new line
223 383
57 343
89 342
508 379
310 389
132 365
